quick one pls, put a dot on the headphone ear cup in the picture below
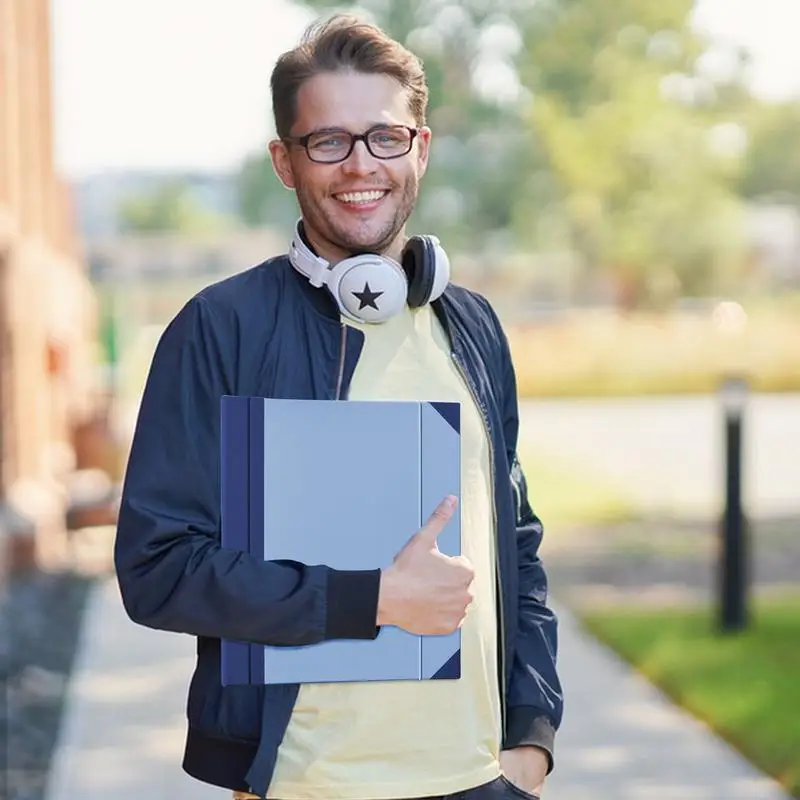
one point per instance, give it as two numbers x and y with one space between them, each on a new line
441 269
419 263
369 288
427 268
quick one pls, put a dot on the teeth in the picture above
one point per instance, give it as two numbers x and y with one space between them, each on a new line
361 197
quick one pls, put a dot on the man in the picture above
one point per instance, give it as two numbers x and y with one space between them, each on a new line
349 106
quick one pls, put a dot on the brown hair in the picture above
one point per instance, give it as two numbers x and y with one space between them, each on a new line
344 42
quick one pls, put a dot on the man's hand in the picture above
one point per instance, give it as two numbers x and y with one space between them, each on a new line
525 767
424 591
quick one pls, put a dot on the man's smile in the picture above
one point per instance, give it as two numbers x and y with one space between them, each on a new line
361 200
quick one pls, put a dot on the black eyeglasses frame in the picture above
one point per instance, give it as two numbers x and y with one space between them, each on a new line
354 138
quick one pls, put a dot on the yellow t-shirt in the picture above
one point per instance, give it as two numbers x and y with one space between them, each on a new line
371 741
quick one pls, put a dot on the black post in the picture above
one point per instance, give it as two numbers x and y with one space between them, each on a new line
733 578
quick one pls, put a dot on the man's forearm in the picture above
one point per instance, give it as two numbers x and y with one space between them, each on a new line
196 587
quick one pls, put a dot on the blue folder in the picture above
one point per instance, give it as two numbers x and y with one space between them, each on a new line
346 484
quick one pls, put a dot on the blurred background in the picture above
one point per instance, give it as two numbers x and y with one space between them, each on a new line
621 179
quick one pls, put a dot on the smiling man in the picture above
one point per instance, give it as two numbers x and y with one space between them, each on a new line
348 205
356 309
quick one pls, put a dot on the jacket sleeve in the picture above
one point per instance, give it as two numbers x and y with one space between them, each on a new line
534 694
172 571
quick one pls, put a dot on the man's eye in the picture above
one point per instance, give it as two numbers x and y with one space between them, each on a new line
330 141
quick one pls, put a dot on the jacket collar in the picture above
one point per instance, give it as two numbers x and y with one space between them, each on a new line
320 298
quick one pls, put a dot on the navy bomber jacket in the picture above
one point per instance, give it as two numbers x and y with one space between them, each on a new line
267 332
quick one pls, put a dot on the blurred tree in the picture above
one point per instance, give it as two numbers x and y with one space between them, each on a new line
772 169
263 200
639 162
169 208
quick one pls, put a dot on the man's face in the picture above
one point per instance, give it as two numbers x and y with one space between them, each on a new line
337 220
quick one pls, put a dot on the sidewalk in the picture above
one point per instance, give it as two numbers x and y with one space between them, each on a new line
122 735
123 726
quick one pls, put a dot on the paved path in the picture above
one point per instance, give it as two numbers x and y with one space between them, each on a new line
122 732
667 453
124 727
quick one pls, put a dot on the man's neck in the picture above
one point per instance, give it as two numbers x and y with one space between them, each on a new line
334 254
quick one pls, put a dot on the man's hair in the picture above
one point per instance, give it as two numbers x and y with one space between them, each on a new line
340 43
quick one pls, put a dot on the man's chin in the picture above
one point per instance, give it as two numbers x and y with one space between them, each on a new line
364 244
366 249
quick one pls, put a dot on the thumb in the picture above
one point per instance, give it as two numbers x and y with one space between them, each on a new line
430 531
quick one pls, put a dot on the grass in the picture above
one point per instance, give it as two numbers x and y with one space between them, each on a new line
746 687
588 353
562 493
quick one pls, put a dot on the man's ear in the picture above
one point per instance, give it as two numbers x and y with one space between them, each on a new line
281 163
423 149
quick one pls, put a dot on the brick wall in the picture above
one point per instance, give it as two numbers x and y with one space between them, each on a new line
48 313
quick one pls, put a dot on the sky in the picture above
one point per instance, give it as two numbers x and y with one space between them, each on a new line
184 84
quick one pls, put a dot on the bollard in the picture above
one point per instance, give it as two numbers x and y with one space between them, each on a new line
733 577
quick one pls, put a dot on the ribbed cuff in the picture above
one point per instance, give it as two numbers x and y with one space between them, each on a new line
352 604
528 726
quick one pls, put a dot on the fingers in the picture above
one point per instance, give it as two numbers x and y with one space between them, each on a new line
441 515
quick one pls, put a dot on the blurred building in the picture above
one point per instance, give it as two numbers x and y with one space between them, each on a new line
49 403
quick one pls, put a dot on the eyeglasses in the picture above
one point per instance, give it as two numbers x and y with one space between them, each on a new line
333 146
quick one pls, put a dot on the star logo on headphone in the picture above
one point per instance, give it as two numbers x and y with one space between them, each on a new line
367 297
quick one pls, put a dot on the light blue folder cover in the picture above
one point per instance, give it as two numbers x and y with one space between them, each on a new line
341 483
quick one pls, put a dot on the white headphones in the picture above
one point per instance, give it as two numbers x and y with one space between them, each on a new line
372 288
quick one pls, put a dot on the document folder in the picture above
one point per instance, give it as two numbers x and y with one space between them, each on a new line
345 484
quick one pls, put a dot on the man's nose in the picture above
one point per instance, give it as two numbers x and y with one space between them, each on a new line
360 161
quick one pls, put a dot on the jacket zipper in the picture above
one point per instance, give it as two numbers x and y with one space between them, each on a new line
342 351
498 579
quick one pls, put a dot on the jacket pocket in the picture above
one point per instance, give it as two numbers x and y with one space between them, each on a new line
240 713
226 712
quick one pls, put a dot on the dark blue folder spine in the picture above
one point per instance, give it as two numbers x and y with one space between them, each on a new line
256 505
234 502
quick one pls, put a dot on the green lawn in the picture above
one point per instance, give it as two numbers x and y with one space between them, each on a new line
746 687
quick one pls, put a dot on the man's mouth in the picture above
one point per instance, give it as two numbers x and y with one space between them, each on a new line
361 199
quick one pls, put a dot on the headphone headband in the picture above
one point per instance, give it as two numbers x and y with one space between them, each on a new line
308 264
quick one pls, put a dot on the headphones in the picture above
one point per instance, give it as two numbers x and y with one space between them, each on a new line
373 288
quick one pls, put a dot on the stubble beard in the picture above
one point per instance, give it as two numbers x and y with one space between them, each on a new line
341 238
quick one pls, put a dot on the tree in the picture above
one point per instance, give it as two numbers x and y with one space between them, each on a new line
772 168
263 200
626 121
169 208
